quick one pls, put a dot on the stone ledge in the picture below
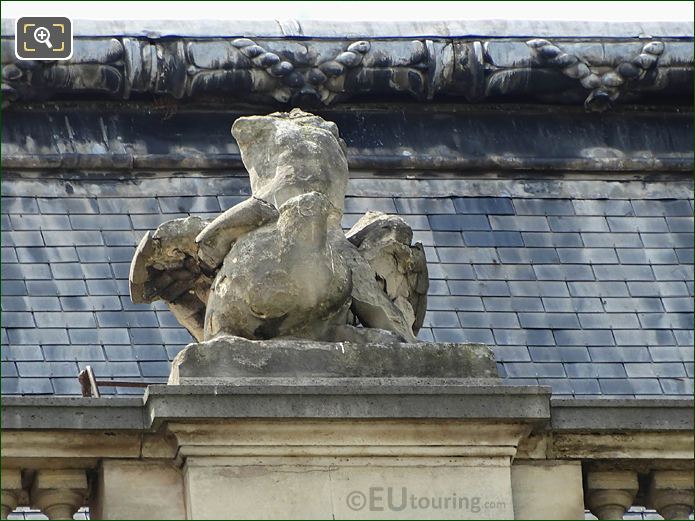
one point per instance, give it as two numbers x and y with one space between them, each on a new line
622 415
29 412
363 398
346 398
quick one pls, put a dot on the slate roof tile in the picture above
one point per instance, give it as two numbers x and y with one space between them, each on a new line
613 305
504 272
416 205
623 272
484 205
25 271
613 240
667 240
680 224
563 272
558 240
363 205
666 354
8 255
543 207
459 222
512 353
519 223
549 320
472 319
685 255
17 352
647 256
487 288
484 254
454 303
511 303
76 319
149 369
585 304
608 320
588 255
658 289
483 336
19 205
130 205
468 255
53 254
100 222
678 304
40 222
26 238
582 386
528 255
618 354
637 224
73 352
682 386
578 224
67 205
488 239
602 207
443 239
538 288
675 207
523 337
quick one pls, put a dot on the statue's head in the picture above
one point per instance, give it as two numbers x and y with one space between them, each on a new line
289 154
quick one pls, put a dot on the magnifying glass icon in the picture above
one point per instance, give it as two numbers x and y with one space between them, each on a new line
43 35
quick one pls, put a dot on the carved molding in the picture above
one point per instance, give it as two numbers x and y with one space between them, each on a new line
605 85
326 72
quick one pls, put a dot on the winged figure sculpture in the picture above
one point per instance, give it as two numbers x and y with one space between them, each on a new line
279 264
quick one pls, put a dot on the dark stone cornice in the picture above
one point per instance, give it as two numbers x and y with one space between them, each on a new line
290 66
414 137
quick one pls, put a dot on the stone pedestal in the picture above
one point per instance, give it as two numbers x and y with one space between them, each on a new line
227 358
348 448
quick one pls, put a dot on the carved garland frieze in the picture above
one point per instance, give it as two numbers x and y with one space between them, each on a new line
326 72
605 84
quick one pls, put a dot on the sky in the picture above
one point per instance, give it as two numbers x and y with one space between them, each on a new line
351 10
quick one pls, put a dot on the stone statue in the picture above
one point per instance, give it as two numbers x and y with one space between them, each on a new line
279 265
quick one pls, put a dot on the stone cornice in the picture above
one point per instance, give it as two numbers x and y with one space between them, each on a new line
294 64
175 403
132 137
621 415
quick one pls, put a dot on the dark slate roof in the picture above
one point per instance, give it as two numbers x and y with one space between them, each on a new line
592 297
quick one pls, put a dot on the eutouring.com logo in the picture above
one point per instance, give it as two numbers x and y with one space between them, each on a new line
43 38
397 499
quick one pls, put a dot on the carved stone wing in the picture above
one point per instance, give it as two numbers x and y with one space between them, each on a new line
166 266
400 268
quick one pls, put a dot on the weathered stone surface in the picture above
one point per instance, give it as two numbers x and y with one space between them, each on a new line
166 266
279 264
427 60
384 240
227 356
